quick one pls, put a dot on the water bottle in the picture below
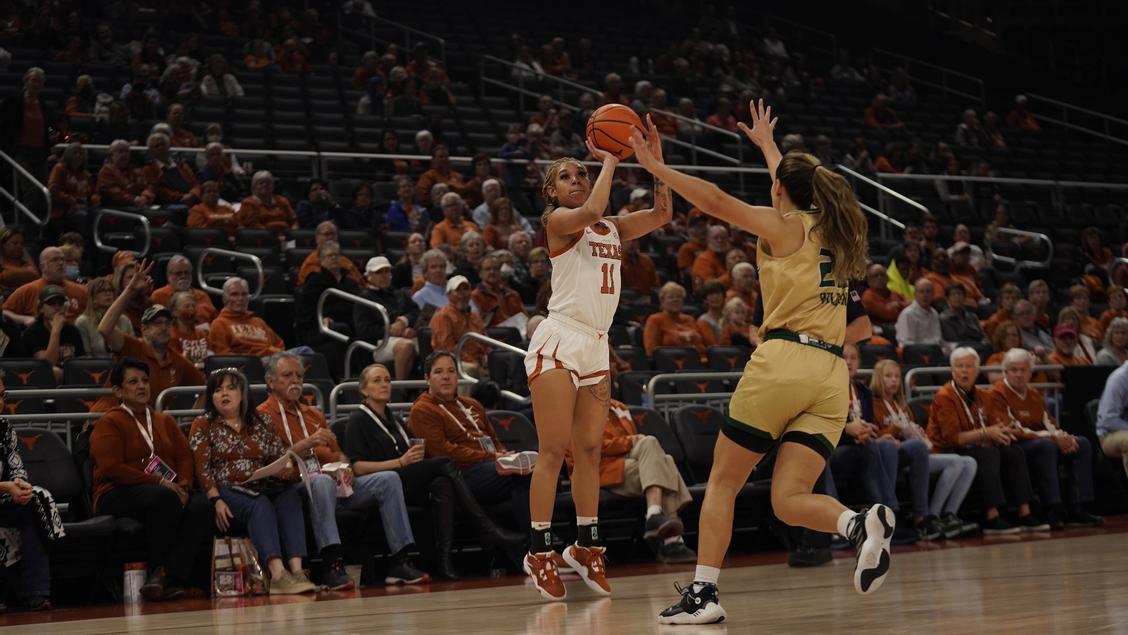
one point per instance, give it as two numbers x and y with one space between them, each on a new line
133 578
647 402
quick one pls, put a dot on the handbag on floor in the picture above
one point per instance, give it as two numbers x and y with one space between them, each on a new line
235 568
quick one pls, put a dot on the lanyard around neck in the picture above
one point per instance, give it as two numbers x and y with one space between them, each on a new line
967 410
145 434
469 416
384 428
286 424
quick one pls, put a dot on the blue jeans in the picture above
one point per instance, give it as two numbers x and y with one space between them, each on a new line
35 570
378 488
914 453
489 487
875 463
1042 462
275 521
957 473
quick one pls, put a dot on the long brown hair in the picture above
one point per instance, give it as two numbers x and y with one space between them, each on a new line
550 179
840 225
877 384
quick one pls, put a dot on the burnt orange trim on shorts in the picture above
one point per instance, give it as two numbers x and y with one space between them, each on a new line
540 360
595 374
571 243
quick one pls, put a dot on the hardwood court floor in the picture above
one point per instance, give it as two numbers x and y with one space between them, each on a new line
1030 585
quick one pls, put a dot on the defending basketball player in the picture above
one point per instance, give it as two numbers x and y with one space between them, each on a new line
567 363
794 389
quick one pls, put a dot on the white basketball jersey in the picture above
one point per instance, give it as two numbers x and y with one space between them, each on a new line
585 276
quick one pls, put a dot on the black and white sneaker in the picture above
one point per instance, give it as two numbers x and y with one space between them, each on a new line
871 532
698 605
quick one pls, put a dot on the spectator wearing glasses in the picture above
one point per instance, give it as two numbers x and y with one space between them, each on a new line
337 313
178 271
882 304
22 305
229 442
129 483
237 330
101 294
326 230
303 426
449 231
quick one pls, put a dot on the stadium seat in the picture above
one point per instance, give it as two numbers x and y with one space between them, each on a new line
634 355
87 371
249 365
697 428
514 430
924 355
873 353
728 358
671 359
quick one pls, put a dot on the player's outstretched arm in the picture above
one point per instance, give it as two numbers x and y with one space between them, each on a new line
762 133
765 222
566 221
644 221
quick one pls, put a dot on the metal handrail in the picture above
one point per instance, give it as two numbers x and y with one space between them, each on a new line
881 216
945 72
255 260
319 398
882 192
13 196
462 374
1019 264
341 337
337 409
799 26
1107 120
1001 180
883 188
145 224
910 377
406 29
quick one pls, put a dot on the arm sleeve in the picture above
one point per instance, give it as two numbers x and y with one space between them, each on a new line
201 454
942 418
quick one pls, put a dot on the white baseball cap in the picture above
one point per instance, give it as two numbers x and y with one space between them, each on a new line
455 282
377 263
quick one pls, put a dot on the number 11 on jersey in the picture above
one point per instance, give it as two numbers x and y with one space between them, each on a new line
608 279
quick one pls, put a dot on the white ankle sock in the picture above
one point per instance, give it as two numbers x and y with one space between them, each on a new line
670 541
653 510
844 522
582 521
541 526
706 575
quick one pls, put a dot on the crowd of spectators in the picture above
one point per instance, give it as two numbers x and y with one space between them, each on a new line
459 251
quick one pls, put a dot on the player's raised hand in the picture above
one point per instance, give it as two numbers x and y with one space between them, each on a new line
763 124
602 156
644 153
653 138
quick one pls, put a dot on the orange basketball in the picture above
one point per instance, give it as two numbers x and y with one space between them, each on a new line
610 128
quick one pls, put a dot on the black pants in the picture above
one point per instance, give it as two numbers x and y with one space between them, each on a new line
489 487
173 534
1002 476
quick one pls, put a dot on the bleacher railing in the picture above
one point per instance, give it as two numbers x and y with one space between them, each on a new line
665 403
341 337
55 421
346 23
934 76
255 260
1097 124
338 410
489 341
141 220
195 391
883 192
1044 263
1052 391
13 195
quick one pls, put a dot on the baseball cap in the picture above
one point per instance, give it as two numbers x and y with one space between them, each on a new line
455 282
51 292
376 263
1064 329
154 312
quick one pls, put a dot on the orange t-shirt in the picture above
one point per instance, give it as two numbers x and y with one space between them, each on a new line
14 274
25 300
707 266
446 233
639 272
500 305
277 216
218 217
192 345
1109 315
243 334
1072 360
883 307
687 253
448 325
662 330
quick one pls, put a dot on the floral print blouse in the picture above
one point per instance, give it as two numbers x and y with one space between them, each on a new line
226 457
